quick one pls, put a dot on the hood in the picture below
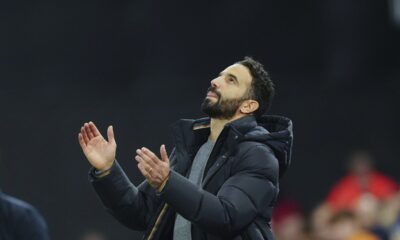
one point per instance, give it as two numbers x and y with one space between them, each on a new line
273 131
277 133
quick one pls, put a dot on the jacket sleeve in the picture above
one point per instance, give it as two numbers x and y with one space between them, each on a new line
130 205
247 193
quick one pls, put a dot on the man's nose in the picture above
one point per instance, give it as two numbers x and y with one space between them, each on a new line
215 82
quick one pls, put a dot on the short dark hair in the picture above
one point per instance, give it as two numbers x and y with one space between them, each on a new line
262 88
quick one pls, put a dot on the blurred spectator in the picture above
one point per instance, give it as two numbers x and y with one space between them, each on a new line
320 222
367 209
288 221
367 212
362 179
363 205
20 221
389 217
339 225
345 226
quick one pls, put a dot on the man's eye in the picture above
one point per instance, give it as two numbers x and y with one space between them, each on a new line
231 79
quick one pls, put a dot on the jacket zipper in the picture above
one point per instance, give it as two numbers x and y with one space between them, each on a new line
157 223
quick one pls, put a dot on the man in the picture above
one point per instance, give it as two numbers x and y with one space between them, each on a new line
221 179
20 221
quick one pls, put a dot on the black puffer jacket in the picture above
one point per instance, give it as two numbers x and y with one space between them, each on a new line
240 184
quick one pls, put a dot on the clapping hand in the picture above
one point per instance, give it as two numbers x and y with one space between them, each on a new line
99 152
155 170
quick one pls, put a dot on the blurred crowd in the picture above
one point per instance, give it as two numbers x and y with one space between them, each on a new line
363 205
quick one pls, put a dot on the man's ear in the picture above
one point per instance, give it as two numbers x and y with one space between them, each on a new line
249 106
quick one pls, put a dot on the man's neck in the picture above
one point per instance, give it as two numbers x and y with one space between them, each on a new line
217 125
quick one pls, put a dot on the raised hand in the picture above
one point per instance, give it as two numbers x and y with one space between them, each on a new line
155 170
99 152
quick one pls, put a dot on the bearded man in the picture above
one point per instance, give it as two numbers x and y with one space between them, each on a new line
220 181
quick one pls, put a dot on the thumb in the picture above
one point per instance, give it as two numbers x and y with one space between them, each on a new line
110 135
164 155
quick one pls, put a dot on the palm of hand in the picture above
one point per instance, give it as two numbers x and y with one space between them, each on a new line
100 153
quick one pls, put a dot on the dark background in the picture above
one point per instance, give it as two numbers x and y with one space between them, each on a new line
141 65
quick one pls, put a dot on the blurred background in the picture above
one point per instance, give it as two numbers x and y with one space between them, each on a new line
141 65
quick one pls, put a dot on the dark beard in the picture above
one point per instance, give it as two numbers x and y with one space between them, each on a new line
222 109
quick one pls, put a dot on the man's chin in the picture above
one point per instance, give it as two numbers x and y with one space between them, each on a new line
209 102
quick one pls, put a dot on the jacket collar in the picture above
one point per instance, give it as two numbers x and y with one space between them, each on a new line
189 134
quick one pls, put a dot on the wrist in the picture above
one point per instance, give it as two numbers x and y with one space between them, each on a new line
164 182
103 171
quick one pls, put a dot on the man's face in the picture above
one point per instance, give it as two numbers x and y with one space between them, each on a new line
227 92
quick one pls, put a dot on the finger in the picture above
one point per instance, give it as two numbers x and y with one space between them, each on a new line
94 129
82 142
88 131
151 155
144 170
110 135
145 157
138 159
151 172
143 163
163 153
84 135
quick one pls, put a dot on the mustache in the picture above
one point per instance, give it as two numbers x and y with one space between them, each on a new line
214 90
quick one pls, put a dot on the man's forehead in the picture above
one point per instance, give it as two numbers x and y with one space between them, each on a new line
241 72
